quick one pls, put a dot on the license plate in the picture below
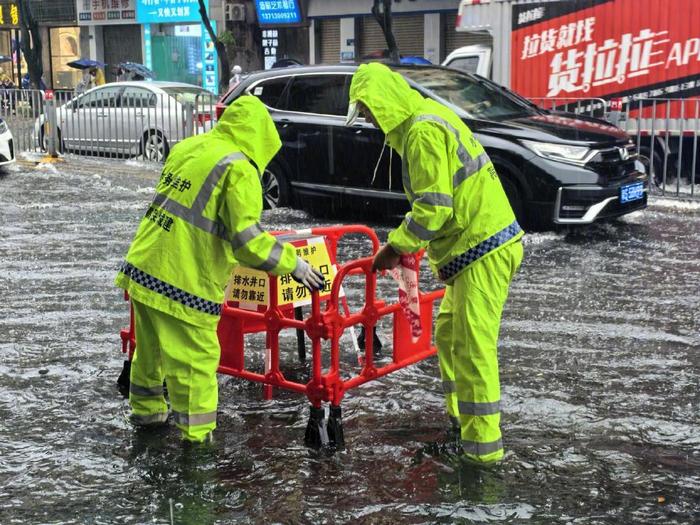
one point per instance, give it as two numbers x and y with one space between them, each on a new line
631 192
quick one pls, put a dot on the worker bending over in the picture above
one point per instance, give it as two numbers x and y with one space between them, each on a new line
203 221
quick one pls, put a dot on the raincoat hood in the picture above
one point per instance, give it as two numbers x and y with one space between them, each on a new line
386 93
249 126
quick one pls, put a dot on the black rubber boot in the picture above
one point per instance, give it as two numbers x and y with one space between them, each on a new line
124 381
335 428
377 344
316 432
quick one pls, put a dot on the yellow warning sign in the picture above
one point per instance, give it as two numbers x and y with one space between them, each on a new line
250 288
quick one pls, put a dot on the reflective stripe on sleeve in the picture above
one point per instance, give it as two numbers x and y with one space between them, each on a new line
144 391
481 449
435 199
243 237
194 419
423 233
273 259
479 409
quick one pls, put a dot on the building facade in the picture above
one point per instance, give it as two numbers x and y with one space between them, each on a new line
344 30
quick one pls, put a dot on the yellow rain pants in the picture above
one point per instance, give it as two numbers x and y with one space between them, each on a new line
466 335
186 356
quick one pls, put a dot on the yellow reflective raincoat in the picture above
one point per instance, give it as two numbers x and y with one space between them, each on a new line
205 218
202 221
460 212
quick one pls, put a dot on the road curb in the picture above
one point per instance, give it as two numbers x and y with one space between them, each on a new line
91 166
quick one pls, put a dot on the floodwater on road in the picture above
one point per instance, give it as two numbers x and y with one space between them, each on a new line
600 371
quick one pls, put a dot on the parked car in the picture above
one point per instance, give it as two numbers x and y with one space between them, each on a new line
130 118
555 167
7 146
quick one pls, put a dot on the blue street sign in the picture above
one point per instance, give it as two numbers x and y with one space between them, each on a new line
168 11
278 11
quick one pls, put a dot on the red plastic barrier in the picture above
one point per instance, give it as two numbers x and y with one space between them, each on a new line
326 322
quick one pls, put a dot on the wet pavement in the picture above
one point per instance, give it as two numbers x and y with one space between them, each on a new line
600 367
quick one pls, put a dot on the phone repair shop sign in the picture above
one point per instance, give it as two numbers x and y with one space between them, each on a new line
104 12
250 289
278 12
9 16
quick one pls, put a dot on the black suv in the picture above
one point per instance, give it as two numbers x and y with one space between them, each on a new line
555 167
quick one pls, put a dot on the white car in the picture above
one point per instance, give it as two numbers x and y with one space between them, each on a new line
130 118
7 146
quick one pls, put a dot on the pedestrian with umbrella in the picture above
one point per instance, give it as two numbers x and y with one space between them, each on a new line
92 73
133 71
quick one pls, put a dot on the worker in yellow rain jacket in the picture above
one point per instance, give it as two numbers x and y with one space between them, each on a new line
202 222
460 212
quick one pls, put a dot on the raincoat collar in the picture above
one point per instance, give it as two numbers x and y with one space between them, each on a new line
388 96
249 126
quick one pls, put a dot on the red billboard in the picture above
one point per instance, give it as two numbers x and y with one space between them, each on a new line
606 48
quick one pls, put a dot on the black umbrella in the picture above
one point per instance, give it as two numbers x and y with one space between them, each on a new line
139 69
85 63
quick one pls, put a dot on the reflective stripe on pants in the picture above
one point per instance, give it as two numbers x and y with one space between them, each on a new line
466 335
187 357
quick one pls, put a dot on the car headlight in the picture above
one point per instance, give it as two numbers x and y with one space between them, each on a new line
578 155
3 126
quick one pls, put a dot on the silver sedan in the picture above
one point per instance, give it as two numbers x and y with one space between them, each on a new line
139 118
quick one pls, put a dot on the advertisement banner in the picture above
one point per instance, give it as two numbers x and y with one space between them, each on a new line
210 62
168 11
606 48
105 12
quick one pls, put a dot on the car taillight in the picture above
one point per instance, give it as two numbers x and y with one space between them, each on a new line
203 117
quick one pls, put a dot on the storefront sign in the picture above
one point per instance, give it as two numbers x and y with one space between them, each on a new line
210 64
168 11
270 42
103 12
9 16
272 12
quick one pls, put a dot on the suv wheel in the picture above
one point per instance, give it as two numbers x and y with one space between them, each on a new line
274 186
515 199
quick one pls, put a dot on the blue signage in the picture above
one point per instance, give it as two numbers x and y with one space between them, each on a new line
168 11
210 62
278 12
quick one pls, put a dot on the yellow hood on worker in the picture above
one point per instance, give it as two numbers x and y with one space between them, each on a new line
249 124
387 95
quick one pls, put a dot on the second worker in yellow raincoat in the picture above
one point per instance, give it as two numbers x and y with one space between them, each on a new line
460 212
201 223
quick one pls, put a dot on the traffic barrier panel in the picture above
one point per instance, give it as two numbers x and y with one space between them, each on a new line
328 318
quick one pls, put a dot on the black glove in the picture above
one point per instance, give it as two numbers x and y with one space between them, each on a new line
307 275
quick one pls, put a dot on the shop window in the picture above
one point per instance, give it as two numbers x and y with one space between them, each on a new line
65 47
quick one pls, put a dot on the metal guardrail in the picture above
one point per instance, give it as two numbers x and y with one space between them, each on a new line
664 130
114 124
